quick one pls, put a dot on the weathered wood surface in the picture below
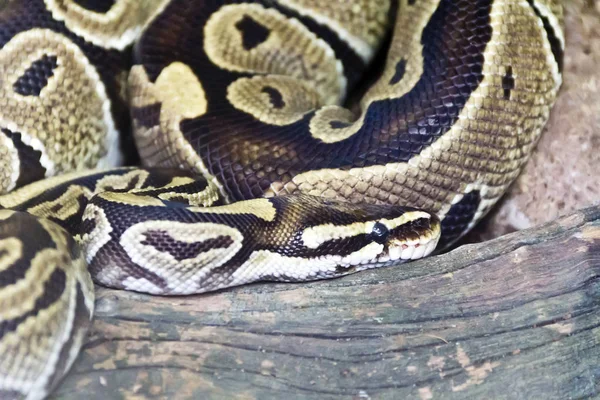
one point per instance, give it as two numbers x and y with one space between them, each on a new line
517 317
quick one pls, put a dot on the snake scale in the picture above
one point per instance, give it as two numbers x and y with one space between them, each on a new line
281 140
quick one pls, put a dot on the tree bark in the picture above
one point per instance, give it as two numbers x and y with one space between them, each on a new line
516 317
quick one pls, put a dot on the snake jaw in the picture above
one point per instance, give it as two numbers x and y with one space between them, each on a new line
403 246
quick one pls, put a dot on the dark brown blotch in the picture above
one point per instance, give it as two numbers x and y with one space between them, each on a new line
35 78
165 243
275 97
253 33
99 6
400 70
508 82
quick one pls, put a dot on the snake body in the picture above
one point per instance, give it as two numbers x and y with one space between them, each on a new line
250 167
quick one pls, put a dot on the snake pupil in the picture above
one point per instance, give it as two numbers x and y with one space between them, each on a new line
380 233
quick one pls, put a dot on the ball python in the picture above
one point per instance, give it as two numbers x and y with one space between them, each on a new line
281 140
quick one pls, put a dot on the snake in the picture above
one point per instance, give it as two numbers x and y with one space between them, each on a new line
177 147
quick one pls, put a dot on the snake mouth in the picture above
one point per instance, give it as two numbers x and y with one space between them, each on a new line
411 241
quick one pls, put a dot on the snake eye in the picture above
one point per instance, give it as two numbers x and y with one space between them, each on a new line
380 233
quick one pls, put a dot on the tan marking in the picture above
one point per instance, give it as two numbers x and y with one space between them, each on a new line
11 249
362 24
93 241
26 193
19 298
6 214
131 199
553 11
70 122
65 206
261 208
116 29
290 49
180 181
180 91
187 275
315 236
299 98
204 198
121 182
165 145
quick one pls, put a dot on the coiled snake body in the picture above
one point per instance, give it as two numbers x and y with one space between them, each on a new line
251 168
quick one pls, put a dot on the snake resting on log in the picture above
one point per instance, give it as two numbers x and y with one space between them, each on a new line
278 140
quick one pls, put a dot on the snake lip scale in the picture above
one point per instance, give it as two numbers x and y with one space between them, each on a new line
245 166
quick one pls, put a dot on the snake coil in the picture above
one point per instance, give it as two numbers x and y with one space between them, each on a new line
250 167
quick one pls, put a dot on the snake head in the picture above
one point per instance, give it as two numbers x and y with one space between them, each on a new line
411 236
361 236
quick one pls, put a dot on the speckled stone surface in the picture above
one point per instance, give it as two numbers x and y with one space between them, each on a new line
563 173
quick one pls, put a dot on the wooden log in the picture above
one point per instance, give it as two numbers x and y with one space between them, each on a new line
516 317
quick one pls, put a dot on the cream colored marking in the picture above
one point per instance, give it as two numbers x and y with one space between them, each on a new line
10 164
361 24
264 263
120 182
182 276
116 29
70 121
29 192
138 285
6 214
65 206
180 181
93 241
260 208
290 49
165 145
552 19
485 204
406 45
11 249
19 298
315 236
131 199
204 198
549 10
181 92
299 98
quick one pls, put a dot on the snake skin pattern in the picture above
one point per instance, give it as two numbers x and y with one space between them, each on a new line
282 140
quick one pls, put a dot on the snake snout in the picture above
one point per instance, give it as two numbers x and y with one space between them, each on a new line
416 238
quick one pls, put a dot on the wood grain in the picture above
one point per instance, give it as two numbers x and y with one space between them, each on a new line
516 317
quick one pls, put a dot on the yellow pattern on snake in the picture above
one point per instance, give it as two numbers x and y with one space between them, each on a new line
282 140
